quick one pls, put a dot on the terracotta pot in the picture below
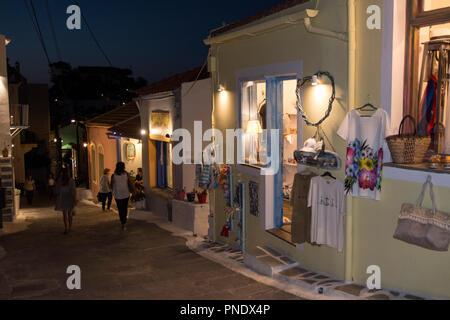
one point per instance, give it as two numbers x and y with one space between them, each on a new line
202 197
181 195
191 197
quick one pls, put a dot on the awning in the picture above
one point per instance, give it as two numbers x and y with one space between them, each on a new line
115 116
130 128
123 121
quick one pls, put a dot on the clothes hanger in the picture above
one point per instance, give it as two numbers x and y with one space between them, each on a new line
328 174
367 107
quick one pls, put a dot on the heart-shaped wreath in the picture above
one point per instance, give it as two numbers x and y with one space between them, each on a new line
301 83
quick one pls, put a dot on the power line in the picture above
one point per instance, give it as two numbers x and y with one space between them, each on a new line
37 28
93 36
52 27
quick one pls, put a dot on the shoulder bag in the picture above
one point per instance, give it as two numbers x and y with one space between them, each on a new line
427 228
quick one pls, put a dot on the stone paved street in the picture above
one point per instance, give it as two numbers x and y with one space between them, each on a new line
145 262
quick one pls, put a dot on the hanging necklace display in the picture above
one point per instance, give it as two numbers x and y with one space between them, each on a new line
314 80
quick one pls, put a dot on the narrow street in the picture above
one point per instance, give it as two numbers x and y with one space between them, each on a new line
145 262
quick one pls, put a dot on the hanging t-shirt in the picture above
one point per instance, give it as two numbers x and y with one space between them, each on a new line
326 200
364 163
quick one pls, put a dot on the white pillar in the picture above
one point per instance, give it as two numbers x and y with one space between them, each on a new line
5 137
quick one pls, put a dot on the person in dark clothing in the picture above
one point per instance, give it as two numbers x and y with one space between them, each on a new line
122 187
105 190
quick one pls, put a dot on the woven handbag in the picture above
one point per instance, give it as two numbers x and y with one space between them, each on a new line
408 148
427 228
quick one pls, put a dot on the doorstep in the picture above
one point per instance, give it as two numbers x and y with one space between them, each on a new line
274 263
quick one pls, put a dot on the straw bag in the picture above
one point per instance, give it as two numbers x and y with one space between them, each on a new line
408 148
427 228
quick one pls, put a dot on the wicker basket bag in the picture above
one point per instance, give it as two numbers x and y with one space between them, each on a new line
408 148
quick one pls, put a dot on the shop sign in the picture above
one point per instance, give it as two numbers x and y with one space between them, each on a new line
159 126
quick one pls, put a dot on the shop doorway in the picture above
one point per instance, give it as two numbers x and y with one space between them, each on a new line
164 171
283 115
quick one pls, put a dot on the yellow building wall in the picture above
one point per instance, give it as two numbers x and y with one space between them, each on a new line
403 266
317 54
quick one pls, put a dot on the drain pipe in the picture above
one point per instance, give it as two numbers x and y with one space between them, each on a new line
351 104
327 33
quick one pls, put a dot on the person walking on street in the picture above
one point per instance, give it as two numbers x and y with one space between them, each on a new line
29 187
122 187
66 198
105 190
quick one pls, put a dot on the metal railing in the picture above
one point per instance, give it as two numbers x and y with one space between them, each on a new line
19 115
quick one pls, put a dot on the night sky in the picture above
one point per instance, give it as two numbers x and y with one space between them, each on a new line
154 38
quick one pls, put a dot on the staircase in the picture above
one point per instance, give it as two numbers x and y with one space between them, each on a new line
274 263
7 176
268 261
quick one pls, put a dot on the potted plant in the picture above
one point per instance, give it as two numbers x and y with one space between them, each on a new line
202 196
5 151
139 199
191 196
181 194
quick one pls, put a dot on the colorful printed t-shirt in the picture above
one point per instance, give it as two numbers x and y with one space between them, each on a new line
364 163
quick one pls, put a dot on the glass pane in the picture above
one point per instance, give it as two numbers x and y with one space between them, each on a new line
431 69
253 118
101 164
94 174
429 5
290 145
169 166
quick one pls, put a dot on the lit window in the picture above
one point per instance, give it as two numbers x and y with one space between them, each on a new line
253 120
427 65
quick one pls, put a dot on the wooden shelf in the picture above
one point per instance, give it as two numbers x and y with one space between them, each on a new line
418 167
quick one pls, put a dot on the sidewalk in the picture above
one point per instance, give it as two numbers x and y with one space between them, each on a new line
145 262
297 281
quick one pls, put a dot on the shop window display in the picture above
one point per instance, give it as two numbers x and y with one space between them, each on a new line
427 95
254 121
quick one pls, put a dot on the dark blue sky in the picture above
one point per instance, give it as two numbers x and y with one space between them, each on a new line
153 38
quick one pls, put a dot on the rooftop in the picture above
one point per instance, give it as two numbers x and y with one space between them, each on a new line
115 116
174 82
268 12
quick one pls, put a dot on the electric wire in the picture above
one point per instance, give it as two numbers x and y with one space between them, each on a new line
196 79
35 22
52 27
93 36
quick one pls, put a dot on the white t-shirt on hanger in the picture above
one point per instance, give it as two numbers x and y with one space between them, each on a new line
365 152
327 202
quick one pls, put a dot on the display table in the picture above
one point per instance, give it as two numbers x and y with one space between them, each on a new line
191 216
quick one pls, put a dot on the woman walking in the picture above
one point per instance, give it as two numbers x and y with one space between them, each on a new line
121 188
66 198
105 190
29 187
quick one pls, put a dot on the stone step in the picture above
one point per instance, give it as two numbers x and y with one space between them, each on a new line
267 261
